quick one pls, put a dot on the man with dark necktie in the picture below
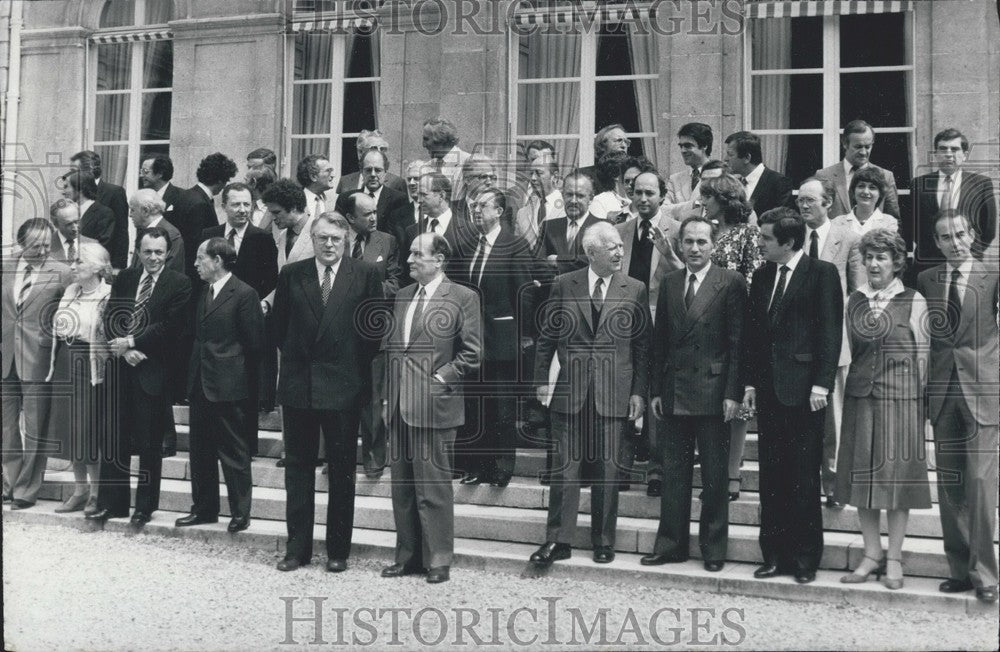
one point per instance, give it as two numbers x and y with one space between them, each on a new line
146 210
857 141
373 170
434 196
695 142
66 241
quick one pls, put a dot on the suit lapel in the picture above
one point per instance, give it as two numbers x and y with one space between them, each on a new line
309 283
707 294
225 294
627 239
430 303
832 246
798 278
341 284
581 299
675 296
43 276
970 308
613 296
841 184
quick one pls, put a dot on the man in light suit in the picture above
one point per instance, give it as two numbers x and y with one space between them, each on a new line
857 140
961 189
155 174
598 324
791 346
113 197
766 189
545 201
561 237
835 243
319 306
146 210
229 335
962 397
33 283
697 343
369 141
315 174
434 346
66 240
695 142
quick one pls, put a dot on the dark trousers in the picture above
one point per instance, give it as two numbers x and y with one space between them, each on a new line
25 452
585 438
218 434
679 434
423 499
113 493
791 451
302 436
488 442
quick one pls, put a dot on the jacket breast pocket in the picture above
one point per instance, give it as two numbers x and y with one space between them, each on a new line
803 357
717 368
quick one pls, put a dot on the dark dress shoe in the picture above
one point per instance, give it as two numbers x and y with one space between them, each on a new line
545 479
195 519
654 489
239 523
399 570
102 515
139 519
657 559
551 552
438 574
290 564
832 504
955 586
500 480
374 473
7 498
320 462
805 576
767 571
471 478
336 565
604 554
22 504
987 594
280 463
714 566
734 496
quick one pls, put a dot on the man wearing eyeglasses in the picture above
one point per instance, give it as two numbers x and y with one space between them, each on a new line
373 170
479 174
370 141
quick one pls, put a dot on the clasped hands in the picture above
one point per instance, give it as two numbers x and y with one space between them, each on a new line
121 347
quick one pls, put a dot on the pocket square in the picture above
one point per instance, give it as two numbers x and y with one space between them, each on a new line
380 259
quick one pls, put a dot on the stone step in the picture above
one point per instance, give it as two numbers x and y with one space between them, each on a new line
919 593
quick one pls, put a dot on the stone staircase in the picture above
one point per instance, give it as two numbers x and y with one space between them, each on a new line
497 529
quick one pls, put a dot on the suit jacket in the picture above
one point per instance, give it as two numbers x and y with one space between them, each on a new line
569 257
400 219
611 356
98 222
323 349
382 251
171 195
696 352
389 200
976 199
842 203
228 340
164 322
113 196
772 190
176 254
679 188
841 249
460 209
57 252
349 182
800 348
257 262
973 352
526 224
26 344
452 233
446 344
660 264
194 211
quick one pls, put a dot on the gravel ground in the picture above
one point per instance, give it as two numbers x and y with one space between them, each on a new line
68 590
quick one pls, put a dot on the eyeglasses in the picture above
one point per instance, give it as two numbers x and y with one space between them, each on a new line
328 239
485 176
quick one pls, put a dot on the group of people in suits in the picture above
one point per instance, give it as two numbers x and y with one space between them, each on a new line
416 311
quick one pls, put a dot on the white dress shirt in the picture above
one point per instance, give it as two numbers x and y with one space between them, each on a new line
321 270
218 285
823 232
311 201
752 178
142 279
592 281
956 182
429 291
491 239
699 278
443 220
964 270
238 238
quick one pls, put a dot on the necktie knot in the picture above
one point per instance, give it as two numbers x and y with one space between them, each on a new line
434 225
644 225
785 269
695 177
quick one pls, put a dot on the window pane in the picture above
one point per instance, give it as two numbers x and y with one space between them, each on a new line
552 108
112 117
361 55
617 101
302 147
159 12
349 155
114 159
782 43
787 102
313 53
311 109
622 53
118 13
892 152
158 68
360 106
878 97
797 157
549 55
874 40
114 62
156 116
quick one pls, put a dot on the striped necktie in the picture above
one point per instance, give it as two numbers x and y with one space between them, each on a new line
140 304
25 289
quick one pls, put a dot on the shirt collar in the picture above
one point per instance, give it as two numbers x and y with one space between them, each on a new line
847 167
240 230
156 276
592 280
85 204
821 230
163 190
432 287
493 234
956 177
443 219
965 268
794 261
755 174
700 275
321 268
155 222
221 283
895 287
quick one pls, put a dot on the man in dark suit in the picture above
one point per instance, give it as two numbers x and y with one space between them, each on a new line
146 210
766 189
194 210
387 200
96 220
146 316
951 187
32 286
962 397
598 324
434 346
857 140
562 236
229 336
435 203
479 174
155 174
497 266
792 337
697 341
66 239
256 265
409 213
370 141
112 196
318 306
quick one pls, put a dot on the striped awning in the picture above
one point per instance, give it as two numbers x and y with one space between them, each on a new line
569 15
799 8
338 24
132 37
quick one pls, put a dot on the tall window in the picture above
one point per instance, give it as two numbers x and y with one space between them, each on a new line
335 93
810 75
570 82
134 64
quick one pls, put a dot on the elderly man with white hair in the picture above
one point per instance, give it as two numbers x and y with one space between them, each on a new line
369 140
597 322
145 208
